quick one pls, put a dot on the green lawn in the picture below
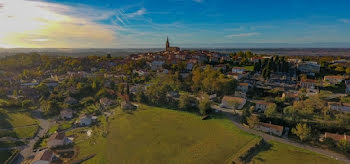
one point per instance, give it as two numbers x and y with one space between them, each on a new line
155 135
18 121
249 68
287 154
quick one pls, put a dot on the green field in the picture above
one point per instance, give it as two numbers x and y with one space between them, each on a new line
154 135
157 135
287 154
22 125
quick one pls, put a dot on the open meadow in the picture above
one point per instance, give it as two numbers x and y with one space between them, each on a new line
288 154
158 135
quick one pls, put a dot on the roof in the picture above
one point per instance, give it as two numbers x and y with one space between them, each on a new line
243 84
308 81
337 137
57 136
66 111
233 99
334 77
272 126
45 155
262 102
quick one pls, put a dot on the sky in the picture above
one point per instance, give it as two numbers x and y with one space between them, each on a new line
188 23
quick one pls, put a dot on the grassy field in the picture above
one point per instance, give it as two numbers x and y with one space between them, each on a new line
287 154
157 135
18 121
154 135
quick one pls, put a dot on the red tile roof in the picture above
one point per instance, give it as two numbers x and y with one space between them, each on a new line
337 137
45 155
272 126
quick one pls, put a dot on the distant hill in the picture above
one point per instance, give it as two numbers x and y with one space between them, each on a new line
125 52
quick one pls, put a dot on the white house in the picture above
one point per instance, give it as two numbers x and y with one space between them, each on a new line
270 128
344 107
261 106
233 102
66 113
243 87
238 70
85 120
43 157
333 79
58 139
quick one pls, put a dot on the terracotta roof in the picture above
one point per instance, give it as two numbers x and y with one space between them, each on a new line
334 77
57 136
272 126
309 81
262 102
337 137
243 84
45 155
233 99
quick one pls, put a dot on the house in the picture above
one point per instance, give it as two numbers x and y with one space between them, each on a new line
58 139
240 94
43 157
333 79
243 87
236 76
84 120
309 67
70 101
261 106
66 113
344 107
309 83
126 105
106 102
233 102
189 66
335 137
270 128
239 70
156 65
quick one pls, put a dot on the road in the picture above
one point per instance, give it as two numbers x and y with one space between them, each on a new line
27 150
236 120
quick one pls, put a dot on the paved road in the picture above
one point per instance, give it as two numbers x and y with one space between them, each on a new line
27 150
267 137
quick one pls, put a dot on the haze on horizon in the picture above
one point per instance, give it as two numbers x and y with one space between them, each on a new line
188 23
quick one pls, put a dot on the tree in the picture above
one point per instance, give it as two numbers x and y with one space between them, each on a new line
271 110
109 56
347 70
204 104
140 97
252 121
185 101
340 69
344 145
302 131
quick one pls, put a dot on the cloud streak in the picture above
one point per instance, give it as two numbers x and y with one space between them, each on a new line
243 35
346 21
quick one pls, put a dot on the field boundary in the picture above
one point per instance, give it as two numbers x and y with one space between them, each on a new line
246 152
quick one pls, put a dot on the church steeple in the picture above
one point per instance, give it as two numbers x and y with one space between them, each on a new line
167 44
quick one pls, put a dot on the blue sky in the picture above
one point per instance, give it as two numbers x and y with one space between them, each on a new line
188 23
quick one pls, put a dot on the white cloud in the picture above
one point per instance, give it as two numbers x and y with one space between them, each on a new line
344 20
243 35
198 1
139 12
41 24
